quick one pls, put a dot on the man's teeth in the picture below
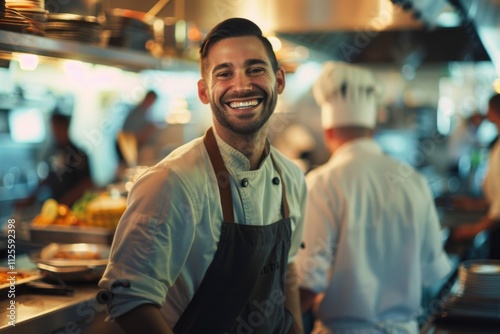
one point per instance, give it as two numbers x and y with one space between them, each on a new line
243 105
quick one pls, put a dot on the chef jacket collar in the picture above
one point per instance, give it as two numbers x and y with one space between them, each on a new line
357 145
234 159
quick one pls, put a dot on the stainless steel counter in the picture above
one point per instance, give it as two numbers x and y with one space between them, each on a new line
41 313
33 314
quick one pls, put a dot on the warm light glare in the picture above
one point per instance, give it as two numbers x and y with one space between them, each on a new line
308 72
385 16
26 125
446 109
496 85
106 76
301 52
275 42
256 11
28 62
179 113
180 32
74 68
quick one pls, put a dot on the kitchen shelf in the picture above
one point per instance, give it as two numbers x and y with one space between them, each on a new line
128 59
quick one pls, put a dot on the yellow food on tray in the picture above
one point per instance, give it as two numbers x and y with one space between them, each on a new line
71 255
49 210
105 211
53 213
100 210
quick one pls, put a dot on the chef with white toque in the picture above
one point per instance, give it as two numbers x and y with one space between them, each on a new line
372 234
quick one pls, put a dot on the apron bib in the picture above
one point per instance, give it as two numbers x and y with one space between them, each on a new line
243 288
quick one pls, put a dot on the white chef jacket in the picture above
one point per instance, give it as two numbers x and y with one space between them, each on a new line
372 239
168 235
491 185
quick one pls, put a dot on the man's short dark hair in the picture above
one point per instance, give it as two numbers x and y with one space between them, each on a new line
234 27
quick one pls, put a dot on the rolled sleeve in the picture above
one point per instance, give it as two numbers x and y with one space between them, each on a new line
130 289
143 264
133 274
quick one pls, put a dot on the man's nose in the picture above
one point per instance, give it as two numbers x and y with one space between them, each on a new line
242 83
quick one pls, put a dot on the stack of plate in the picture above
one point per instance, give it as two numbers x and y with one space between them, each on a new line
477 293
14 21
25 16
479 278
2 8
26 3
74 27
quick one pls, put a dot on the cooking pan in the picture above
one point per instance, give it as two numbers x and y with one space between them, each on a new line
134 29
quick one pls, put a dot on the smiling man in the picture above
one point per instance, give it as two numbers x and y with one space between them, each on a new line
209 236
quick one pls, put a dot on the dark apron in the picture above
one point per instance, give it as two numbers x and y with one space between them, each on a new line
243 288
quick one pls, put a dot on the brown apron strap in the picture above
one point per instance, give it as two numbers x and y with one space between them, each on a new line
285 210
222 175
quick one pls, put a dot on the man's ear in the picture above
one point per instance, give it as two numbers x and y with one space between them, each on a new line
203 92
280 80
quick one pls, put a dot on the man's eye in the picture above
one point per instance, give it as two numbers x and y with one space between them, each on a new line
256 71
223 74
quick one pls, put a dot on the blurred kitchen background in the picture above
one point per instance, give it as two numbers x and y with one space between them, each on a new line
438 62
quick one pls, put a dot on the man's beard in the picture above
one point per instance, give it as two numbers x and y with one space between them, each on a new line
221 114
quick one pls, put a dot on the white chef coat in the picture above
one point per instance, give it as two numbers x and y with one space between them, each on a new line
168 235
491 185
372 238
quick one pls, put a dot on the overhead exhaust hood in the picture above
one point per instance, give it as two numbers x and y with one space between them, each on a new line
390 31
485 14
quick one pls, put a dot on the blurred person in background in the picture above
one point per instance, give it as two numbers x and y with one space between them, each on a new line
463 142
210 233
138 133
372 234
138 119
69 174
491 189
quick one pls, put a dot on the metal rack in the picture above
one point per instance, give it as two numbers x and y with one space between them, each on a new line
127 59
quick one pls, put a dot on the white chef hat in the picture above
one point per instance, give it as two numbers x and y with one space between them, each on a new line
347 95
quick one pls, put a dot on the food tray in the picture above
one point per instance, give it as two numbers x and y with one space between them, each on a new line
28 276
75 255
78 266
45 234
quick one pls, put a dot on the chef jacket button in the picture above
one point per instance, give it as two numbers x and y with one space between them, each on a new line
244 182
276 180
